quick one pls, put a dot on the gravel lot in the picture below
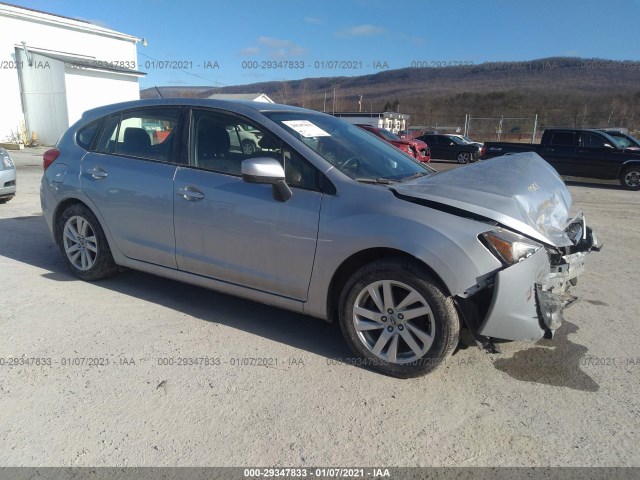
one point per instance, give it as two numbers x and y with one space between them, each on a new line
572 401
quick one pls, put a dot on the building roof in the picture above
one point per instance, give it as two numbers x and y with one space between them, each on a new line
371 114
253 97
84 62
30 14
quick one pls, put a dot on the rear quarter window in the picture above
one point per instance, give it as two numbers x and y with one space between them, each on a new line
86 135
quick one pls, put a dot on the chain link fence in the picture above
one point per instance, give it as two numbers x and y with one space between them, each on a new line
513 129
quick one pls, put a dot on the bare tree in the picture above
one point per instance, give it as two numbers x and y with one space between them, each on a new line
284 92
304 93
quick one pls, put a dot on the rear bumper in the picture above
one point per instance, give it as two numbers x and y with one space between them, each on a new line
7 183
529 297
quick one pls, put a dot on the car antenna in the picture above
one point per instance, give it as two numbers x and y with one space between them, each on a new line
158 90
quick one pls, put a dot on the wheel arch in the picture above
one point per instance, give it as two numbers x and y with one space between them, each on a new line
66 203
356 261
628 163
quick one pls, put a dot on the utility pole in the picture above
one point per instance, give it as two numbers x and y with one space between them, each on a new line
334 99
324 107
360 104
535 128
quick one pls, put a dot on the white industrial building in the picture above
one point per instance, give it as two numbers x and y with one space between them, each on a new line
392 121
53 68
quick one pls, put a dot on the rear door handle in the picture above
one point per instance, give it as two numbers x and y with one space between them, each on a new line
190 193
97 173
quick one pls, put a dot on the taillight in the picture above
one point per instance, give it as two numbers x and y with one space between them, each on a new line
483 150
49 157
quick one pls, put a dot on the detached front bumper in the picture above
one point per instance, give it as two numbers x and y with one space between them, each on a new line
530 296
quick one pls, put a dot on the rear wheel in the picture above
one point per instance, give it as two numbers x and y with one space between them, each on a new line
463 157
394 315
630 178
83 244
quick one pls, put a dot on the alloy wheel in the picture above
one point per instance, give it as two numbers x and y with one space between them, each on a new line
80 243
393 321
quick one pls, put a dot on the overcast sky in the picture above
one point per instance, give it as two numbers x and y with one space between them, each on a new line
246 41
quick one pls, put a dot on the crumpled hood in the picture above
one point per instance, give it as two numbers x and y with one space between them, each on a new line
521 192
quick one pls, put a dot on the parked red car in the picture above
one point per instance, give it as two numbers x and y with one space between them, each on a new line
416 148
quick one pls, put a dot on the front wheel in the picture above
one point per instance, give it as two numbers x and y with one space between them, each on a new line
394 315
630 178
248 147
463 157
83 244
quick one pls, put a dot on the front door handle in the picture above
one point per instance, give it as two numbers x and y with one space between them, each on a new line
97 173
190 193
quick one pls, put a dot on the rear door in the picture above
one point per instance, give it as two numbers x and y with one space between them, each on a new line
561 150
129 178
235 231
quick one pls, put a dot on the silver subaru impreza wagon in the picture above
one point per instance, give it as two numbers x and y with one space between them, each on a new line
321 218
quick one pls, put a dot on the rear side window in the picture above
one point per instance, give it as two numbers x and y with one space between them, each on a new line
563 138
147 134
85 135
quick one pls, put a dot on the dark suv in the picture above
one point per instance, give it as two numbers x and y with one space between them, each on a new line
450 147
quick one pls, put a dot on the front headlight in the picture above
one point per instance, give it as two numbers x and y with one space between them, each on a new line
6 160
508 246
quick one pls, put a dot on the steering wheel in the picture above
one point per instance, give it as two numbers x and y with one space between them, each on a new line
351 160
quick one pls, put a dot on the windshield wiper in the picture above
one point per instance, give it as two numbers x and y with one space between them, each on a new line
415 175
380 181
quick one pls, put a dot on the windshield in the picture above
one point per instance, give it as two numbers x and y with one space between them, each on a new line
355 152
388 135
622 140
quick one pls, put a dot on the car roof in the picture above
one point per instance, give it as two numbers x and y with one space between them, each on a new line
232 105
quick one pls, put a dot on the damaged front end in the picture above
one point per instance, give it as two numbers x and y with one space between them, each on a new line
526 299
542 249
566 264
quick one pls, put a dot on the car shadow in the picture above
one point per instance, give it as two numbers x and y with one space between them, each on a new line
554 362
602 186
27 240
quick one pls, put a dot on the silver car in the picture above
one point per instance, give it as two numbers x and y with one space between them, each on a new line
7 177
322 219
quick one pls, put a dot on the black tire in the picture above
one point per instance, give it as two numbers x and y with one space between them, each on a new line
442 322
5 200
630 178
463 157
248 147
103 265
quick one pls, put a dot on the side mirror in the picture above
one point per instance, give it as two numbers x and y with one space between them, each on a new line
608 145
268 171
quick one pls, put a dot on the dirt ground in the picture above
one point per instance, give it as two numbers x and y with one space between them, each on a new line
111 388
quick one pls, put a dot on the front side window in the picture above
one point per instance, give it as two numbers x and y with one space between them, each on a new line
147 134
589 140
220 143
